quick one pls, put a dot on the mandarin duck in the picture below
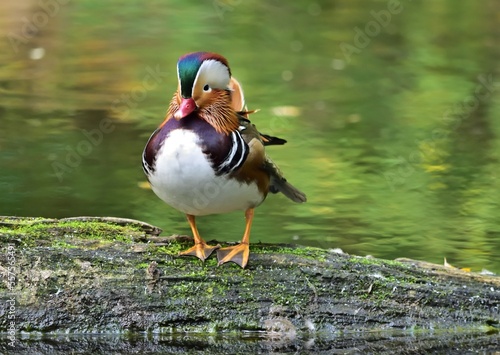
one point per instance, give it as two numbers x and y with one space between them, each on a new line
208 158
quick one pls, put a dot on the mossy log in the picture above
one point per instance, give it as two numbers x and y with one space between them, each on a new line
108 275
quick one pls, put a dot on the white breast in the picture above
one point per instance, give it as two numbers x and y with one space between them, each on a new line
184 179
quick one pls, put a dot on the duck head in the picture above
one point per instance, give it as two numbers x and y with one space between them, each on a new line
207 89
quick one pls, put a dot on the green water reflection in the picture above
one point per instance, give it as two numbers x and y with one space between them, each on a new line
392 132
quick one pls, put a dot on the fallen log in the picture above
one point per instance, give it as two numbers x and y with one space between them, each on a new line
91 275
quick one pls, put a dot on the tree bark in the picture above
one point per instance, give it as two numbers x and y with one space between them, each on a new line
109 275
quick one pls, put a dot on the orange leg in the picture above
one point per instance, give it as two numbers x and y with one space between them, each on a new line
200 249
239 253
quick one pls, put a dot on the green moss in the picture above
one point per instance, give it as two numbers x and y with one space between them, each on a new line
162 250
306 252
34 231
142 265
377 263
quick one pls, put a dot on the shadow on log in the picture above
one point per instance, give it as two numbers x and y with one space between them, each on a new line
118 277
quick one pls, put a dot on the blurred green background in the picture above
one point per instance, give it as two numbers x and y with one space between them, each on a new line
388 108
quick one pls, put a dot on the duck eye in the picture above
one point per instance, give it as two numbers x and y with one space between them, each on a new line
206 88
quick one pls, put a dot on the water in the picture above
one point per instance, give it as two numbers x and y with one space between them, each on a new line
389 115
252 343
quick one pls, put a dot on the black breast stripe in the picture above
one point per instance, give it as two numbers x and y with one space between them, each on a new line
150 151
145 165
236 156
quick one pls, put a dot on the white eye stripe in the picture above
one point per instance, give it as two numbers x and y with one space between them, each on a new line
214 73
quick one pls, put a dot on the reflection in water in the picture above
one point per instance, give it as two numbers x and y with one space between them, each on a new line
395 144
249 343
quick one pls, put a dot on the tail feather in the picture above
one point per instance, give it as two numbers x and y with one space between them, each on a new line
279 183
